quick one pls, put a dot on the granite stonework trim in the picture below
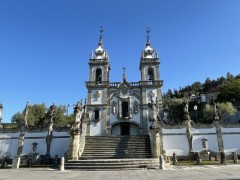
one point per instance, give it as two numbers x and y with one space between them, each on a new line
200 126
39 137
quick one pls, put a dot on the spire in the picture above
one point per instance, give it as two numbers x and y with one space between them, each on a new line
124 74
100 38
99 52
148 37
148 52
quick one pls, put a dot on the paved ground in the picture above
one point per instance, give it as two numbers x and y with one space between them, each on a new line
228 172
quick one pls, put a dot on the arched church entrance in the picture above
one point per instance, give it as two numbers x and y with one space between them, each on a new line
125 129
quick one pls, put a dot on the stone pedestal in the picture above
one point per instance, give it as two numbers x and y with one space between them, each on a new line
204 154
62 164
74 146
16 162
155 142
162 162
235 157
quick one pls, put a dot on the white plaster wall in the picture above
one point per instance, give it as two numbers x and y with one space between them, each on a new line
96 128
60 144
96 100
230 130
175 143
9 145
231 143
212 142
8 135
173 131
134 129
33 134
209 130
116 130
31 137
41 147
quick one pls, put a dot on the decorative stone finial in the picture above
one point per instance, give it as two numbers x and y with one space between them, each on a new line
100 39
124 74
148 37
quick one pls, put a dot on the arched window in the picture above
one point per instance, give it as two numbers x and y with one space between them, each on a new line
99 75
150 74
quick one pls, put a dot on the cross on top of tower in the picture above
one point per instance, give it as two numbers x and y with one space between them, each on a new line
101 30
148 36
124 74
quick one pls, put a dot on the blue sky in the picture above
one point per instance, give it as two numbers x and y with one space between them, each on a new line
45 45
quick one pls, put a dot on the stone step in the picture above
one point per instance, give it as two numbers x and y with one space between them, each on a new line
112 164
116 150
115 147
115 160
115 157
115 153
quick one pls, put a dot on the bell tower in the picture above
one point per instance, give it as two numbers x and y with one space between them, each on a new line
97 86
150 81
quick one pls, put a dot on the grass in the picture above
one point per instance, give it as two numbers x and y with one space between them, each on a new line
203 162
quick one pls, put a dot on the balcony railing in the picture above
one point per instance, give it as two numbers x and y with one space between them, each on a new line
96 83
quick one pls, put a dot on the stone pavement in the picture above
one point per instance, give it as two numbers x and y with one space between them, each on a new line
217 172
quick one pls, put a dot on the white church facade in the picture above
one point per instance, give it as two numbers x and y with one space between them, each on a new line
121 108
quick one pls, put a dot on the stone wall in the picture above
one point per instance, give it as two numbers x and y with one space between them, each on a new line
9 142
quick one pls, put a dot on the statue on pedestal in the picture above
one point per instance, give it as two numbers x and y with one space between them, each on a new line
155 117
51 115
188 125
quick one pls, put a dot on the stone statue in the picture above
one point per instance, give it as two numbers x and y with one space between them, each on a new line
215 117
189 135
77 111
26 114
78 116
185 110
205 143
114 110
154 114
51 115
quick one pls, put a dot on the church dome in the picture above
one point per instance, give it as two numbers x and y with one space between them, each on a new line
148 50
99 52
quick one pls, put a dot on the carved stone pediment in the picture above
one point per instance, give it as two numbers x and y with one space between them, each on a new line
124 88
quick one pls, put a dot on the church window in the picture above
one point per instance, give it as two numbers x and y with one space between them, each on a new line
96 114
150 74
99 75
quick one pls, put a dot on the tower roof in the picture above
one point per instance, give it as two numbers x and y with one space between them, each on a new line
148 52
100 53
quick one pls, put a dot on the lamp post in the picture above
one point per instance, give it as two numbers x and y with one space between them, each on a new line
195 109
67 108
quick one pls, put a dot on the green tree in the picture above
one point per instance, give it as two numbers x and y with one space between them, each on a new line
37 116
224 110
17 118
175 109
230 92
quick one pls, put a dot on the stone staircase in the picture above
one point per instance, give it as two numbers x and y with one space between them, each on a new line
115 153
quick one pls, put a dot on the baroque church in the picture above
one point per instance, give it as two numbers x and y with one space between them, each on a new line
121 108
